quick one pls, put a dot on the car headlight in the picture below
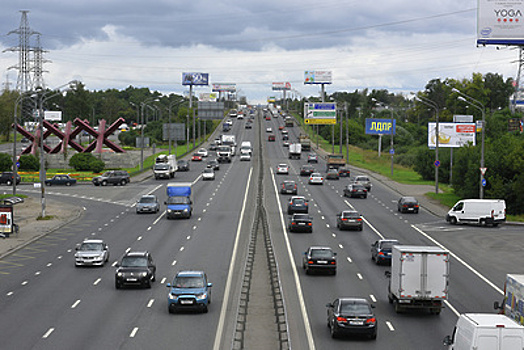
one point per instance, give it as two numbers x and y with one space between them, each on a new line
172 296
120 274
143 274
186 210
201 296
169 211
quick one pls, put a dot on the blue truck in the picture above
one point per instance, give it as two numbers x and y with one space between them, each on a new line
179 202
226 126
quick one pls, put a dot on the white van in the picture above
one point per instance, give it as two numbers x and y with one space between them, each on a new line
478 211
486 332
245 147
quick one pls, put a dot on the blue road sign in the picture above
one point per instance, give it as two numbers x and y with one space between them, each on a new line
437 163
18 164
484 182
391 151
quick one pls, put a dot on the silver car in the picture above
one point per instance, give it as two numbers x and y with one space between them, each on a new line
316 179
364 181
147 204
92 252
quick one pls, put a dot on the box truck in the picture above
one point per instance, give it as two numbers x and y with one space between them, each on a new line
513 304
295 149
418 278
478 211
165 166
179 203
485 332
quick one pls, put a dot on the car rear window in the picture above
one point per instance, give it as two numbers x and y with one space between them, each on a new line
350 215
321 253
355 308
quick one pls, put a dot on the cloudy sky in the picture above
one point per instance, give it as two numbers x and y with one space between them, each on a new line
397 45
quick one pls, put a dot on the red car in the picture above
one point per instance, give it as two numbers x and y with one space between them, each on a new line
271 137
281 127
196 157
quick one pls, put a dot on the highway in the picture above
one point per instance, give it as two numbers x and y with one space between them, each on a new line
47 303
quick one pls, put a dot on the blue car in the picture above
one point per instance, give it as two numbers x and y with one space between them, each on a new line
190 290
381 250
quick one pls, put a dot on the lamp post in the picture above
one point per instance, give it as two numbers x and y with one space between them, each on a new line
142 106
15 123
391 150
433 105
478 105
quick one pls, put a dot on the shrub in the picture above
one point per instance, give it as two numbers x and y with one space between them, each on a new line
29 162
6 162
86 162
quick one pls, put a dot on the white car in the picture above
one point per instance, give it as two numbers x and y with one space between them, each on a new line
316 179
202 152
92 252
269 130
245 156
282 169
208 174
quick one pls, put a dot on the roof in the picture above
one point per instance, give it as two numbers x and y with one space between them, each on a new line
190 273
93 241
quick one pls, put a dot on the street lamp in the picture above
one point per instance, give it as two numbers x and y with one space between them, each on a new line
433 105
142 105
15 131
478 105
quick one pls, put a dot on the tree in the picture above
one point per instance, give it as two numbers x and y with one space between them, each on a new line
6 162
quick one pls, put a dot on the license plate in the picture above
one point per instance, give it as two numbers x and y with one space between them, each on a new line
131 279
186 302
301 223
350 220
321 262
356 323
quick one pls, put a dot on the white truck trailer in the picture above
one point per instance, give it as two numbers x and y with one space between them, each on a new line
418 278
295 149
513 304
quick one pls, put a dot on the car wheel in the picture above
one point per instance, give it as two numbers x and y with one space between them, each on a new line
453 220
170 310
373 336
68 183
153 278
360 228
123 182
334 272
117 285
204 309
334 332
148 284
307 271
104 183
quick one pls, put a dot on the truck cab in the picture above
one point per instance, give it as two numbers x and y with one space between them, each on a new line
179 203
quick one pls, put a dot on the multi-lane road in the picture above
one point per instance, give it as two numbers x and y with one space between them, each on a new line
47 303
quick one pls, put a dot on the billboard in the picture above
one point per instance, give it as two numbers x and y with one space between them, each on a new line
177 131
271 99
451 135
224 87
195 78
211 110
281 86
317 77
500 22
208 97
376 126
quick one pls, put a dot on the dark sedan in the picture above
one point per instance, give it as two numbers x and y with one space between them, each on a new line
288 187
344 172
213 164
320 259
301 223
306 170
349 219
381 250
60 180
355 191
183 165
351 316
408 205
332 174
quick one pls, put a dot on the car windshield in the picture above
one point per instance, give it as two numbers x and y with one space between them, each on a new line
134 261
208 171
321 253
147 200
354 308
178 200
188 282
388 244
362 178
90 246
161 166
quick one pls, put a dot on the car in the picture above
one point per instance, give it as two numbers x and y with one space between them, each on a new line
230 122
306 170
285 144
208 174
189 290
320 259
203 152
349 219
281 127
213 164
245 156
408 205
271 138
91 252
288 187
364 181
297 204
316 179
196 157
312 158
7 178
113 177
136 268
268 117
344 172
355 191
285 137
269 130
60 179
381 250
283 169
300 223
249 125
284 132
148 203
332 174
351 316
183 165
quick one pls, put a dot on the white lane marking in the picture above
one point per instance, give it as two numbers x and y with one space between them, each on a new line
95 283
300 294
390 326
173 263
199 219
49 264
181 249
349 260
227 290
114 264
163 280
323 217
150 303
327 225
340 246
133 332
37 273
349 204
128 250
149 228
194 227
159 218
491 284
59 257
196 180
69 250
9 294
448 304
25 282
75 304
359 275
334 235
85 209
188 238
373 228
372 297
139 238
203 211
48 333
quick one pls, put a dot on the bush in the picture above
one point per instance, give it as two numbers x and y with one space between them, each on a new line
86 162
29 162
6 162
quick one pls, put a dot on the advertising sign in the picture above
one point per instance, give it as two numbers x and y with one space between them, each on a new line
451 135
53 115
320 113
208 97
376 126
281 86
224 88
177 131
317 77
500 22
515 124
211 110
271 99
195 79
457 118
6 219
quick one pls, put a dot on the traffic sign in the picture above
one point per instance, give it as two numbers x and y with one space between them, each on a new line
18 164
320 113
321 121
437 163
483 171
484 182
391 151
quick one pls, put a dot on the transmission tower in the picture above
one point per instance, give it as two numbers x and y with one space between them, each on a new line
7 83
38 81
24 82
